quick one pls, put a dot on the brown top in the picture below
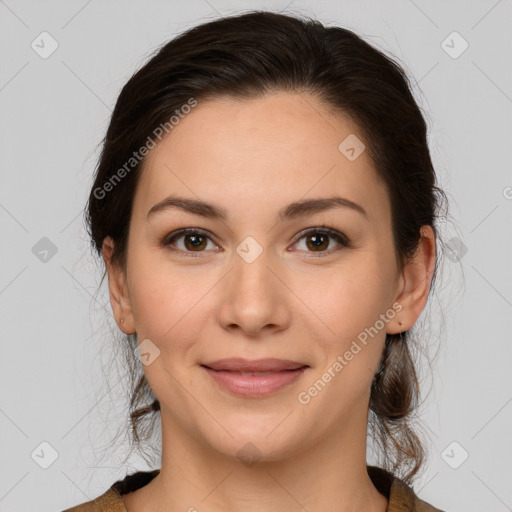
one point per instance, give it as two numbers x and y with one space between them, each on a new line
400 496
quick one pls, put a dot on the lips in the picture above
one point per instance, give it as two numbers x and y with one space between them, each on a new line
254 379
257 366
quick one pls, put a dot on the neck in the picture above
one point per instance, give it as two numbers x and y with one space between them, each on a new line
328 475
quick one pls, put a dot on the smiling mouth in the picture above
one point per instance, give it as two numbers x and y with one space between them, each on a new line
254 384
268 365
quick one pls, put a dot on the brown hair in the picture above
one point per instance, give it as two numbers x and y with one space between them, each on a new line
247 56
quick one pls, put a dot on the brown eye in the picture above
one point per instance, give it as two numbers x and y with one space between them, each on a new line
194 242
188 241
319 240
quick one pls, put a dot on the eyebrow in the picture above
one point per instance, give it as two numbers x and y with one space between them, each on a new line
291 211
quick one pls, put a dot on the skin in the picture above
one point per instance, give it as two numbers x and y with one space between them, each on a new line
254 157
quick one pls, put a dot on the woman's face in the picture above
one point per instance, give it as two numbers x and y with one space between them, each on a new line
255 284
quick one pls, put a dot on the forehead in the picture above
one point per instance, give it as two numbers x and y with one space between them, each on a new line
265 151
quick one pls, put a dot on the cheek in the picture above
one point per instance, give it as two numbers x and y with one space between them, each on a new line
164 312
354 307
171 307
349 299
171 312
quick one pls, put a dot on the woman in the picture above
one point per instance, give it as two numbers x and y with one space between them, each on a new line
266 207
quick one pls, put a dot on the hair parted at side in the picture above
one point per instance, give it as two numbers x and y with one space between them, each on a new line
248 56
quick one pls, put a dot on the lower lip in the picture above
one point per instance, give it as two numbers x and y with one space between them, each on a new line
255 385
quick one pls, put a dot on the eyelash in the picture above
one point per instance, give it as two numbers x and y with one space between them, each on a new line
343 240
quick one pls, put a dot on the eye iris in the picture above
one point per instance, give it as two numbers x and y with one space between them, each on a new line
196 241
318 240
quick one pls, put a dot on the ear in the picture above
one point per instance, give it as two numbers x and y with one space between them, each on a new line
118 290
414 283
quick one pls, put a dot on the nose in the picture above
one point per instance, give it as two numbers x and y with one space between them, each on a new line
254 300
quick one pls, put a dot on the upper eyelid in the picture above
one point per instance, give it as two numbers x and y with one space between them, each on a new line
186 231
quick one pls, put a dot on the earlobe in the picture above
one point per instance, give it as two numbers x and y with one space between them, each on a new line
415 283
396 326
118 291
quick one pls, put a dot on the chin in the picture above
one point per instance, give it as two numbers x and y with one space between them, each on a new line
253 441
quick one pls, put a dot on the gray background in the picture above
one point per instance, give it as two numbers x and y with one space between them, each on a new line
56 366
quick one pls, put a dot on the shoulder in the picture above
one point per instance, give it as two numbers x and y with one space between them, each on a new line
111 500
401 497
